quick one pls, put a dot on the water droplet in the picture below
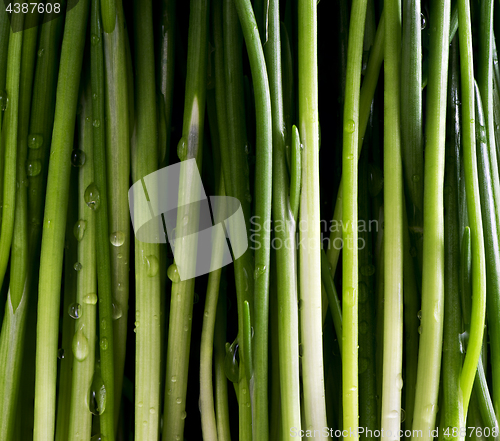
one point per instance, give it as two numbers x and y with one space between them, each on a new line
368 270
420 329
423 21
259 271
140 404
80 345
183 415
196 299
35 141
185 220
231 364
60 353
104 343
153 265
4 100
75 311
40 52
94 96
419 314
350 295
403 415
363 292
393 414
178 400
247 149
248 196
173 273
95 40
117 238
104 324
117 310
90 299
349 126
301 304
96 123
363 327
97 404
399 381
77 266
79 229
415 178
92 197
77 158
363 365
33 168
174 378
152 411
182 149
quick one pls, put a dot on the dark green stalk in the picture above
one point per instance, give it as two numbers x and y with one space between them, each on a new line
411 99
55 221
190 147
144 162
8 138
333 298
473 204
491 234
118 175
102 236
295 172
452 356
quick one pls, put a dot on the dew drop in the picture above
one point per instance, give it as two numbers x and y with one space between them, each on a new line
40 52
95 40
60 354
363 327
419 314
248 196
174 378
94 96
185 220
153 265
104 324
77 266
35 141
231 364
80 345
363 292
97 404
182 149
349 126
4 100
403 415
196 299
363 365
104 343
117 310
75 311
173 273
140 404
152 411
178 400
350 295
183 415
96 123
368 270
33 168
423 21
301 304
259 271
415 178
77 158
420 329
399 381
90 299
117 238
79 229
92 197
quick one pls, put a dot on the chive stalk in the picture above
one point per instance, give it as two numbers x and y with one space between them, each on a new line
392 380
310 258
54 223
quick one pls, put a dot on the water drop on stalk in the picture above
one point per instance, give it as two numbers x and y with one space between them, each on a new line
33 168
92 197
60 354
231 368
35 141
77 158
4 100
77 266
96 123
173 273
97 404
117 310
423 21
368 270
90 299
363 327
182 149
80 345
178 400
363 292
419 314
79 229
95 40
349 126
259 271
174 378
117 238
75 311
363 365
153 265
104 343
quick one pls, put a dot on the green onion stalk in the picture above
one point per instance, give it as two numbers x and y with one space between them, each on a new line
190 147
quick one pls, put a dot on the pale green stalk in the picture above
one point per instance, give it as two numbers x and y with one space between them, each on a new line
392 380
310 259
350 220
84 310
431 338
147 255
54 224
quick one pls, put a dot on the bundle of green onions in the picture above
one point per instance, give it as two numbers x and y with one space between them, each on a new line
357 307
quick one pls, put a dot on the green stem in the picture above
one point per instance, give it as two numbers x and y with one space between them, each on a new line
190 147
84 311
118 175
473 205
393 242
350 219
310 257
431 338
54 223
102 237
144 162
